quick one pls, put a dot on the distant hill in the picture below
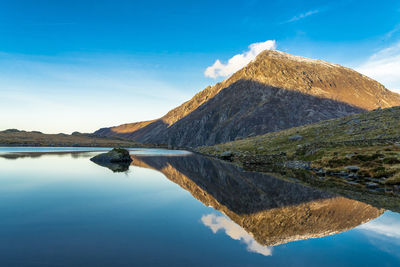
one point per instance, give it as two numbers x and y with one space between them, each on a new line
14 137
276 91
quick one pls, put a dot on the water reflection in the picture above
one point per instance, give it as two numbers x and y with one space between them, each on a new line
20 155
270 210
218 222
116 166
261 210
384 233
388 228
57 209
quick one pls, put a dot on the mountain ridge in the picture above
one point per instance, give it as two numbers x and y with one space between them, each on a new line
296 90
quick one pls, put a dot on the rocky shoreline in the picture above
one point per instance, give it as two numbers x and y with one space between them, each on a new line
345 178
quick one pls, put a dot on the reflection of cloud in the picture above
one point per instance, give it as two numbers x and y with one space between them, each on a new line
387 228
238 61
216 223
384 233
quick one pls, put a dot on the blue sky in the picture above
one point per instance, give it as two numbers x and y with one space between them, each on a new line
81 65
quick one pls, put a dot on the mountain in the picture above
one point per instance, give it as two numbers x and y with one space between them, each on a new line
275 91
271 210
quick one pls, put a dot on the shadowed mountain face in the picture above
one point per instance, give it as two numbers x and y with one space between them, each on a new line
274 92
273 211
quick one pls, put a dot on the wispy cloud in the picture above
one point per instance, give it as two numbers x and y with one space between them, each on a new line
384 66
53 23
216 223
303 15
391 33
238 61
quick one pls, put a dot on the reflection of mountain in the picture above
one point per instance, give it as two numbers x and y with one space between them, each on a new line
272 210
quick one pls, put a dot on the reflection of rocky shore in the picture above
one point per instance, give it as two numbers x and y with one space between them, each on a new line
272 210
19 155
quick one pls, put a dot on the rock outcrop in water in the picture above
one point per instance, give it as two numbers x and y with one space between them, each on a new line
117 160
276 91
273 211
116 155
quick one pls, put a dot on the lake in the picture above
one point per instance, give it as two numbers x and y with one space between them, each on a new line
174 208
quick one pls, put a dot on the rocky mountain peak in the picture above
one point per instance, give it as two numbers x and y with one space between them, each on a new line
275 91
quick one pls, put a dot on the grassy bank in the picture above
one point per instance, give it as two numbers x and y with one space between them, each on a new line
360 153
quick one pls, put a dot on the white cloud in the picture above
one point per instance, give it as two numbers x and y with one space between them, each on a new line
384 66
303 15
216 223
238 61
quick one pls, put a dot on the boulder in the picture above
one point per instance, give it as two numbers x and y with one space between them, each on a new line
116 155
297 164
226 155
295 137
352 168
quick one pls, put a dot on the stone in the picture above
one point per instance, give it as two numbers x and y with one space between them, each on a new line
352 182
117 160
116 155
295 137
297 164
352 168
226 155
371 185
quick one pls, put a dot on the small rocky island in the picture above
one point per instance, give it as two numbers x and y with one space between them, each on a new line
117 160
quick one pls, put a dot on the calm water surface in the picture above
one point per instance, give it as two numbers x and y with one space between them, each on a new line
177 209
